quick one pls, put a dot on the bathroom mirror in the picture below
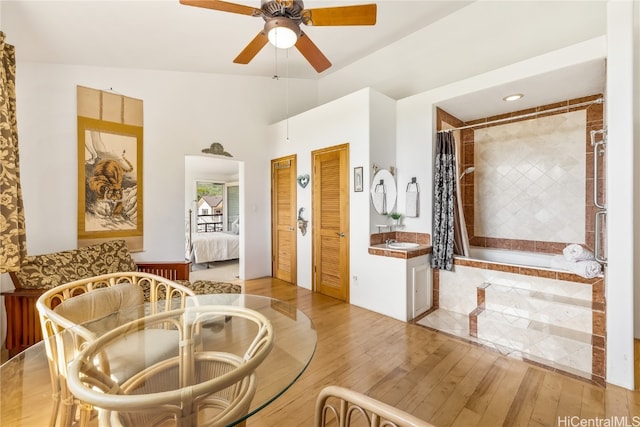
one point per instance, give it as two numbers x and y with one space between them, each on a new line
383 192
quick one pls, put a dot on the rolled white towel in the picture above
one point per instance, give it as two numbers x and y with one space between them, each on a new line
587 268
576 252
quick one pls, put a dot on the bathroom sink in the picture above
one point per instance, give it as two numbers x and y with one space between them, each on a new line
402 245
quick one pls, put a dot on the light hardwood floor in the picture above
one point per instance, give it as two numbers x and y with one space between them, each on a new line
440 379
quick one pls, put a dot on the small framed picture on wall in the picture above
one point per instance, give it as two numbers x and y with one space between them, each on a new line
357 179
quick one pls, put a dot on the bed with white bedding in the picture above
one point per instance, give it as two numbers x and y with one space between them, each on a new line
214 246
218 246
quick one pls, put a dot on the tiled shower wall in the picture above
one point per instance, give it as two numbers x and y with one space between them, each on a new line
529 179
530 192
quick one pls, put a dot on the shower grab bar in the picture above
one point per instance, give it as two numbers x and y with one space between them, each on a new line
599 216
598 150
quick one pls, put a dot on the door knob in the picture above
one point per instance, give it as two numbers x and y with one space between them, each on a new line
340 233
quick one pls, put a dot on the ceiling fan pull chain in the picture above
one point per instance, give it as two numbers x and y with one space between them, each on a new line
286 92
275 65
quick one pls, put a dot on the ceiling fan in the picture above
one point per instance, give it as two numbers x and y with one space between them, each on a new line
282 25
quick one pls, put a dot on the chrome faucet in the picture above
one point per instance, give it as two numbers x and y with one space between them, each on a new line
389 241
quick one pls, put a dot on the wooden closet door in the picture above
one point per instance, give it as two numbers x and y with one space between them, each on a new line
283 217
331 221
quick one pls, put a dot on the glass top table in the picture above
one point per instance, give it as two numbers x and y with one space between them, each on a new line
25 382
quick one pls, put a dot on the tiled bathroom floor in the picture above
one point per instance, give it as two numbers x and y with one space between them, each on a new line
522 341
455 324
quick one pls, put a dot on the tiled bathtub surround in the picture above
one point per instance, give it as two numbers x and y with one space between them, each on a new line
530 179
532 174
551 318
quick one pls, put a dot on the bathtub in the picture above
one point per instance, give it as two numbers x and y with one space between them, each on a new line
506 256
516 302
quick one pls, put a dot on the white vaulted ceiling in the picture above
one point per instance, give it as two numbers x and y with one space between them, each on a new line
415 46
165 35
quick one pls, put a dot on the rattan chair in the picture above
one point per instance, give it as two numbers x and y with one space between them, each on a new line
66 312
342 407
198 387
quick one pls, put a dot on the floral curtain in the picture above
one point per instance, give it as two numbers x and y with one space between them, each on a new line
444 201
13 244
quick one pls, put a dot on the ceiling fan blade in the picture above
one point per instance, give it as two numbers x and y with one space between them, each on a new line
311 52
252 49
223 6
342 15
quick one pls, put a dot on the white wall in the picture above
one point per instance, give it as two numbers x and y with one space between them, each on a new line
415 154
636 162
478 38
379 283
345 120
620 193
365 120
183 113
382 152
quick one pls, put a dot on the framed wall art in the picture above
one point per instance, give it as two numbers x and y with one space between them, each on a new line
357 179
110 186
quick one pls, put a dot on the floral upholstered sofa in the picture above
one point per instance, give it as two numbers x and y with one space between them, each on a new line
41 272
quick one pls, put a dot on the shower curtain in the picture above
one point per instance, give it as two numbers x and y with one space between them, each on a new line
449 230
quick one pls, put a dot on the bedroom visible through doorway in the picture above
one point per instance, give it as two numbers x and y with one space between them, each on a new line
212 218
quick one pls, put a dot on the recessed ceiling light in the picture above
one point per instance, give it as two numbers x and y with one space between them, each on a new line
513 97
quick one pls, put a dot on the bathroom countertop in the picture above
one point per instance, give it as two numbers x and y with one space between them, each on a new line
384 250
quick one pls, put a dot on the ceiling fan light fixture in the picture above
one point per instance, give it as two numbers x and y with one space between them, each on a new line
282 32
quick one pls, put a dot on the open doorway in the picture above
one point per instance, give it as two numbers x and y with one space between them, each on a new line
212 218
